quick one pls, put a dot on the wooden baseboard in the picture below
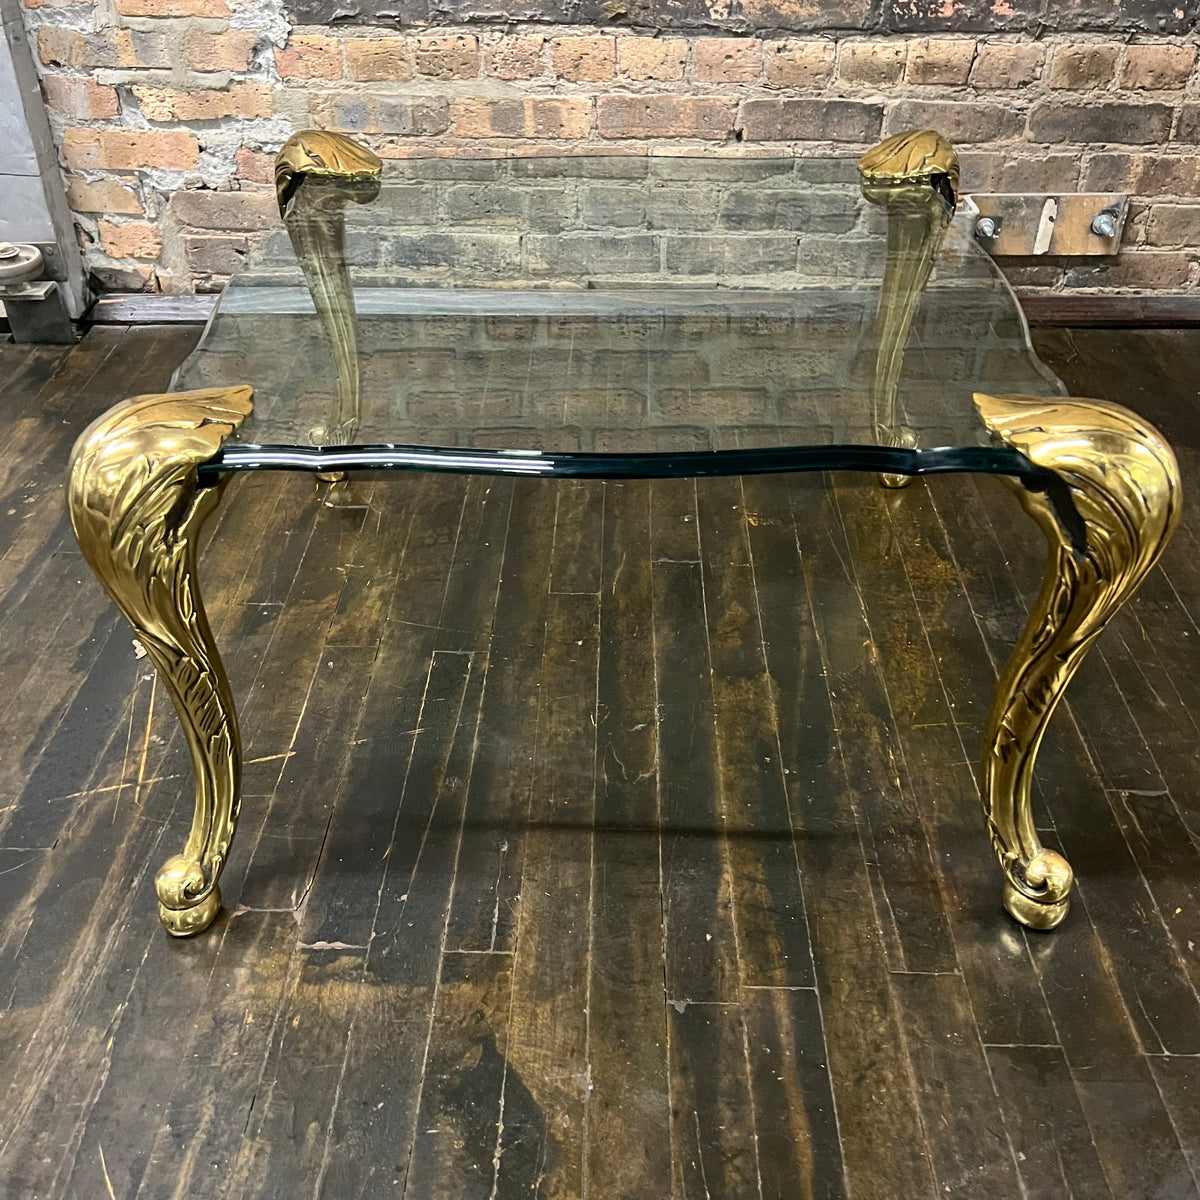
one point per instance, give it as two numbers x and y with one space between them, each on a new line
1041 308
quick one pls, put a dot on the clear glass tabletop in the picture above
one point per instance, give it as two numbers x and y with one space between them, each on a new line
604 307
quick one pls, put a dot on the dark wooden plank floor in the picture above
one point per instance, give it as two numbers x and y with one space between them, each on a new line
611 841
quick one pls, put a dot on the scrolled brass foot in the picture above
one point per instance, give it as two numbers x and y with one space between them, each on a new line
1124 484
187 902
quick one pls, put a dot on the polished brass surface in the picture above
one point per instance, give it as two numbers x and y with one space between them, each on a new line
1124 482
915 176
337 170
136 510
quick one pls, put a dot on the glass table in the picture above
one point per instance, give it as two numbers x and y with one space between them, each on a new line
609 317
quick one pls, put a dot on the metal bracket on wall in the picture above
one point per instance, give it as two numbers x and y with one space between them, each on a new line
1078 224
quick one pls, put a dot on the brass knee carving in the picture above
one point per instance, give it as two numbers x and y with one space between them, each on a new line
915 176
136 509
337 170
1124 482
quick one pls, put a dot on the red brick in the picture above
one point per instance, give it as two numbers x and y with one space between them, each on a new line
129 149
542 117
228 51
241 211
584 59
871 64
80 99
1174 225
728 60
102 196
172 8
1143 174
311 57
517 58
1086 65
1007 64
646 58
799 64
246 100
960 121
254 166
385 58
945 61
130 239
665 116
1135 269
810 120
1158 67
448 57
1054 121
104 48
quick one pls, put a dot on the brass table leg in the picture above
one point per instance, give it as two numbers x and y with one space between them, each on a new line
136 510
1124 482
915 177
316 174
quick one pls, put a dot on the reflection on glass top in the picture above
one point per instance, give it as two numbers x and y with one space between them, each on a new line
607 305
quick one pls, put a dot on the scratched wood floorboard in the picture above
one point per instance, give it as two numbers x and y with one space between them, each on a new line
598 841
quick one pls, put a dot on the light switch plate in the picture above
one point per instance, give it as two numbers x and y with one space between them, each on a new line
1065 225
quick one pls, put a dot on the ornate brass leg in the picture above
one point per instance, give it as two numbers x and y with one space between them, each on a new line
136 510
1124 483
316 173
915 175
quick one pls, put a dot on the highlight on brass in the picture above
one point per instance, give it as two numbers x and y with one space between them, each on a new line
915 177
136 508
313 152
1124 483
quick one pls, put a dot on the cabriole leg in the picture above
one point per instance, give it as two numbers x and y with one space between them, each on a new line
136 510
1124 483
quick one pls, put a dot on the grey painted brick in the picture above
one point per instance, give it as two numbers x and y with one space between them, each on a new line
576 255
715 255
505 204
616 207
716 170
580 166
802 211
958 120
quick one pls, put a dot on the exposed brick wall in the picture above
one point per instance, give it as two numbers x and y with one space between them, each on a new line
168 113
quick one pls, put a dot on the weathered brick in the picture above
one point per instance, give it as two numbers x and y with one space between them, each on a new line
1143 174
945 61
783 209
484 252
216 255
799 64
125 277
542 209
238 100
172 8
557 255
625 207
646 58
1174 225
960 121
130 239
227 51
1086 65
310 57
121 48
584 59
517 58
1028 172
810 120
129 149
728 60
718 405
383 58
1158 67
541 117
448 57
622 116
1007 64
102 196
1129 124
241 211
254 166
1135 269
409 116
1187 127
871 64
80 99
706 254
